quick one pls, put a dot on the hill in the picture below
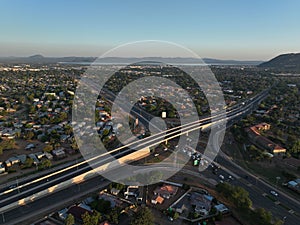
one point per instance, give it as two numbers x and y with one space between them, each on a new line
39 59
289 61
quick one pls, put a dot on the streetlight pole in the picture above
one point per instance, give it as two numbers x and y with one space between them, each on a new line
17 182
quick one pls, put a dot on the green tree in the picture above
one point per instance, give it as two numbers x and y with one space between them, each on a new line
95 217
70 220
296 147
113 216
28 163
6 145
143 216
29 135
176 216
86 218
264 216
45 163
48 148
92 219
101 206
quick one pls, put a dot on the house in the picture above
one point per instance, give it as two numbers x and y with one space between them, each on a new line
114 191
261 141
157 200
112 199
35 159
202 202
132 191
59 153
39 155
181 207
14 160
48 155
62 214
30 147
221 208
22 158
294 185
77 212
8 163
166 191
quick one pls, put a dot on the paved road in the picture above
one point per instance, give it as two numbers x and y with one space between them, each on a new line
29 213
258 190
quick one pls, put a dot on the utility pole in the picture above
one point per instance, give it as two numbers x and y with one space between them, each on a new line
277 179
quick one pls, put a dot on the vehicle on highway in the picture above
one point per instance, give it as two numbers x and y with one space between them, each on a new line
12 186
274 193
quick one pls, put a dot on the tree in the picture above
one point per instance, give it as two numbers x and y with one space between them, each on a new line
29 135
45 163
264 216
28 163
6 145
113 216
176 216
143 216
70 220
48 148
296 147
86 218
101 206
92 219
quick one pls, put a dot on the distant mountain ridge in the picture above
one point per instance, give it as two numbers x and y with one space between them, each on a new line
290 61
39 59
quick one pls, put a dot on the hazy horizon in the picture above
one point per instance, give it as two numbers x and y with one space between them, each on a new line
256 30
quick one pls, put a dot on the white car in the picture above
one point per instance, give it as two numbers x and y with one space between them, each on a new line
274 193
221 177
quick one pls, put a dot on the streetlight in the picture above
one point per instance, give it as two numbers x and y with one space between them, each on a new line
17 183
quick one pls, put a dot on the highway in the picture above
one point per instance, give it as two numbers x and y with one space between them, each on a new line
28 188
6 195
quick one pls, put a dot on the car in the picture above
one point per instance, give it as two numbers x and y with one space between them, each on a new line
215 171
230 177
156 155
12 186
221 177
274 193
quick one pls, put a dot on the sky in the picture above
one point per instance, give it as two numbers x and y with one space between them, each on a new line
231 29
